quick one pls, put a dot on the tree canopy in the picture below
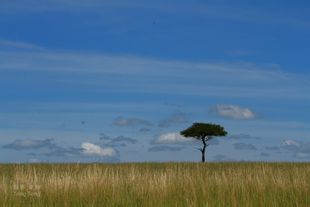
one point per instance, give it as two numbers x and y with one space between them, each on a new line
203 130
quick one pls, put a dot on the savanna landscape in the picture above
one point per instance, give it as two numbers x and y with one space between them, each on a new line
154 103
155 184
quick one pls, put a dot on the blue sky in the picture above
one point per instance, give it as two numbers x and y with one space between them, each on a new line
116 81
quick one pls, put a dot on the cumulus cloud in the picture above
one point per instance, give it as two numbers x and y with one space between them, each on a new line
233 112
120 121
176 118
171 138
96 150
86 150
244 146
24 144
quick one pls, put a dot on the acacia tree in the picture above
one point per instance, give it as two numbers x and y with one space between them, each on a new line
204 132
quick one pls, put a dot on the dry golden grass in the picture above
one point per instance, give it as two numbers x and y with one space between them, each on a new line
156 184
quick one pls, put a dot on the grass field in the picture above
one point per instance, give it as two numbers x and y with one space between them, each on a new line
155 184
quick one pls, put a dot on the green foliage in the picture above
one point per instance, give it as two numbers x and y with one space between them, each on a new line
202 130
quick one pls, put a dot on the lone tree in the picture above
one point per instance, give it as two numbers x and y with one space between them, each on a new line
204 132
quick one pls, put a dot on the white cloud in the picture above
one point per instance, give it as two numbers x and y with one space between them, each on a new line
171 138
234 112
95 150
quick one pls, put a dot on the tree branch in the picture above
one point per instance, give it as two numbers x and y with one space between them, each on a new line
200 149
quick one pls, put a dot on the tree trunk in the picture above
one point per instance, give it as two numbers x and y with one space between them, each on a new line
203 150
203 156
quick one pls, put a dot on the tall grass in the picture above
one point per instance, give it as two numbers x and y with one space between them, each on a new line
155 184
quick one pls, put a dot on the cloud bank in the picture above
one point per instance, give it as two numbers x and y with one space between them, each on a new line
26 144
300 150
51 149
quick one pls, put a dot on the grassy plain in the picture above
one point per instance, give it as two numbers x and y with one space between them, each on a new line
155 184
